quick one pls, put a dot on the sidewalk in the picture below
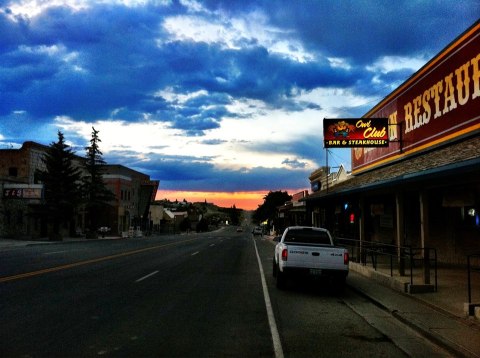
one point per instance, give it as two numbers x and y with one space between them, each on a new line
6 244
452 289
433 315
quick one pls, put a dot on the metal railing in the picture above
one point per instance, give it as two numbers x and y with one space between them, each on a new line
471 269
403 258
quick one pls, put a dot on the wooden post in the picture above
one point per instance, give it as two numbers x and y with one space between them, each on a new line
400 231
424 231
361 225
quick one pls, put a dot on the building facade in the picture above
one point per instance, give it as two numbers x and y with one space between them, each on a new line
134 192
22 196
22 191
423 190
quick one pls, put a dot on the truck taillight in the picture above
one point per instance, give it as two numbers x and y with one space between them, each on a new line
284 255
345 258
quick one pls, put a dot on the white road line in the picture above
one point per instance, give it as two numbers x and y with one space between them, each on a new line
145 277
195 253
212 245
55 252
277 344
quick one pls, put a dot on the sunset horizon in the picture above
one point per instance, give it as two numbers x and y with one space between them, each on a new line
250 200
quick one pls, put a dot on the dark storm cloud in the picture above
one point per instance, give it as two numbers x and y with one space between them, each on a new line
199 174
113 62
64 62
209 178
365 30
307 147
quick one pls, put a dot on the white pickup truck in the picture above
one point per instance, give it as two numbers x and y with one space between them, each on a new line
309 251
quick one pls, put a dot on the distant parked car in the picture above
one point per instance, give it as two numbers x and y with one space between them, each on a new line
257 231
103 230
239 229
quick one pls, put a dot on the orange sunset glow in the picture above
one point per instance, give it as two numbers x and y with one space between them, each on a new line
242 200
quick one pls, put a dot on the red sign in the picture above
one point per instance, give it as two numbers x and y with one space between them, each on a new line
438 104
355 132
25 193
300 195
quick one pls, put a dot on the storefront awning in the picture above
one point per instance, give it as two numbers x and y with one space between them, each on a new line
458 159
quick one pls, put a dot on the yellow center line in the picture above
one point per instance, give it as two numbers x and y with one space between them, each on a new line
87 262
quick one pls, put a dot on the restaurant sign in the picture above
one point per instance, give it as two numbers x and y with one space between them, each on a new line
438 104
355 132
23 191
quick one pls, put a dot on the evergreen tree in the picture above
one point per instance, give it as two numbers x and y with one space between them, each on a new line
61 181
235 215
96 194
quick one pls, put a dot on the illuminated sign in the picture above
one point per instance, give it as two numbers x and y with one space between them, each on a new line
355 132
438 104
22 191
316 185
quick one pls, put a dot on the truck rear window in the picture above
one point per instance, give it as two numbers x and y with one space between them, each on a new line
307 236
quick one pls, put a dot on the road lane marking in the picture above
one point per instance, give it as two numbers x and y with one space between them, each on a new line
147 276
277 344
195 253
212 245
87 262
55 252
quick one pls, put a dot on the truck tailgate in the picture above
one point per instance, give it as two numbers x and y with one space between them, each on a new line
322 257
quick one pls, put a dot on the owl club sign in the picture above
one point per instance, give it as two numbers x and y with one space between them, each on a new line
355 132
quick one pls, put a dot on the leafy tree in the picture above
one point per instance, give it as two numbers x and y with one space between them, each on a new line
96 194
61 181
268 210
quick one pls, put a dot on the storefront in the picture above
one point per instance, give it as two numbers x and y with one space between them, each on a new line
423 189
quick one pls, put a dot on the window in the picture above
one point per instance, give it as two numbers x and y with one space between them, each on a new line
13 171
307 236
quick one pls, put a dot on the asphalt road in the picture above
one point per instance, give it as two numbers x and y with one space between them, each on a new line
183 296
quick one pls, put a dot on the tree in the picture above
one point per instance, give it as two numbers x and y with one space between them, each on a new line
268 210
96 194
234 214
202 225
61 181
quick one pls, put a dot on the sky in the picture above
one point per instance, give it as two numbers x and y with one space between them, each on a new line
218 100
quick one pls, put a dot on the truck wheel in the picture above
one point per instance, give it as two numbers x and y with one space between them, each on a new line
281 280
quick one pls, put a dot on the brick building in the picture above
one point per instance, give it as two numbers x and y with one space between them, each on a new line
134 192
22 195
